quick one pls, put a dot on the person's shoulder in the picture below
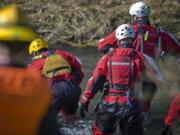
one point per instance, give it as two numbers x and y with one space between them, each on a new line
22 79
104 58
63 52
164 32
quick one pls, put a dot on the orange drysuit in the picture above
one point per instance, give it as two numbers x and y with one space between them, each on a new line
24 100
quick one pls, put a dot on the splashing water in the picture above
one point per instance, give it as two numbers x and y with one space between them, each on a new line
79 127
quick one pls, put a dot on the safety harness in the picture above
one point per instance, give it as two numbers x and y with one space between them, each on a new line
127 89
120 86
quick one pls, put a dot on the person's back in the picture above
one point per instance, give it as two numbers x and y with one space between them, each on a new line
24 100
63 72
123 61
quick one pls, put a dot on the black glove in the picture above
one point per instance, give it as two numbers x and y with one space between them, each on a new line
82 110
166 131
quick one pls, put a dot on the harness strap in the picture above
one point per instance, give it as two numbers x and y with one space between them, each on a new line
57 69
110 65
140 29
132 54
120 87
122 90
116 94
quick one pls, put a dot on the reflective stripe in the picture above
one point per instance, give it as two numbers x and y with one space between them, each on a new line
120 63
84 98
90 78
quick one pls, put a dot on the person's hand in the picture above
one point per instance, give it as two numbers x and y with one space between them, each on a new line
83 110
166 131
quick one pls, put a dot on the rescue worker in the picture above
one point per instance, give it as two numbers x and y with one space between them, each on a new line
149 40
63 72
121 67
173 113
24 96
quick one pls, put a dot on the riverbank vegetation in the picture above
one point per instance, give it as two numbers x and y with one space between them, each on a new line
84 22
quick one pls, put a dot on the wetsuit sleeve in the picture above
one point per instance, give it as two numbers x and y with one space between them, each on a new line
36 65
169 43
96 82
107 42
77 70
174 111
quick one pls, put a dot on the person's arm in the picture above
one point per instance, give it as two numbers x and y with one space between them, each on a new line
75 65
153 72
94 84
36 65
174 112
77 69
170 43
107 42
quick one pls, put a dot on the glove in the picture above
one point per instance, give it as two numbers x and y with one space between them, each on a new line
166 131
82 110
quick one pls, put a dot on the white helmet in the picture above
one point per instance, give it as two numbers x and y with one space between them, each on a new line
139 9
124 31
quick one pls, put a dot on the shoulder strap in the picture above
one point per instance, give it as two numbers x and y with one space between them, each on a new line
111 50
140 30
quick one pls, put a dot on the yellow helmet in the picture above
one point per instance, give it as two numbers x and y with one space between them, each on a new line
14 25
12 15
16 33
36 45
